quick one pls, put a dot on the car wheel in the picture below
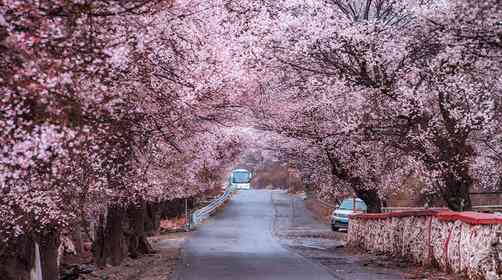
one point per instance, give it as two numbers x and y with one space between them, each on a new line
334 228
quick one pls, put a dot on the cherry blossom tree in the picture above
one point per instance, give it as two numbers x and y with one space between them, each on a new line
419 91
110 107
96 121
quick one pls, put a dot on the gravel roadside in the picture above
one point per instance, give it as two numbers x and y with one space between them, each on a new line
159 265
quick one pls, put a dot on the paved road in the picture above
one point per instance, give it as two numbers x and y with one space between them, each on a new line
238 244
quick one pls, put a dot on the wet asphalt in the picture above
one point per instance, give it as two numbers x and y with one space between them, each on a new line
238 243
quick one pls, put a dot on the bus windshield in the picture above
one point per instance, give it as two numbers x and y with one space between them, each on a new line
240 177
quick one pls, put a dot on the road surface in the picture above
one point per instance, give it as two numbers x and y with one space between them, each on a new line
238 243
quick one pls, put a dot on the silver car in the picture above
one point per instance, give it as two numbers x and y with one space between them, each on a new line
340 216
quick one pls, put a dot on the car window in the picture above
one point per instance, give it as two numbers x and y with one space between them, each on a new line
347 204
361 205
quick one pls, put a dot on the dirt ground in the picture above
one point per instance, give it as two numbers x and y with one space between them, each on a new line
157 266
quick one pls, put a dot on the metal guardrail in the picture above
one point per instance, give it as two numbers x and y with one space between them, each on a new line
393 209
488 208
203 213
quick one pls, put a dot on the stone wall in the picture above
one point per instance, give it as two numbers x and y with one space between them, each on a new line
466 243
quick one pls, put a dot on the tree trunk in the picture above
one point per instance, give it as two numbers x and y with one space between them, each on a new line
17 259
454 157
98 244
77 238
457 192
109 247
138 242
152 223
49 244
372 200
116 240
369 196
